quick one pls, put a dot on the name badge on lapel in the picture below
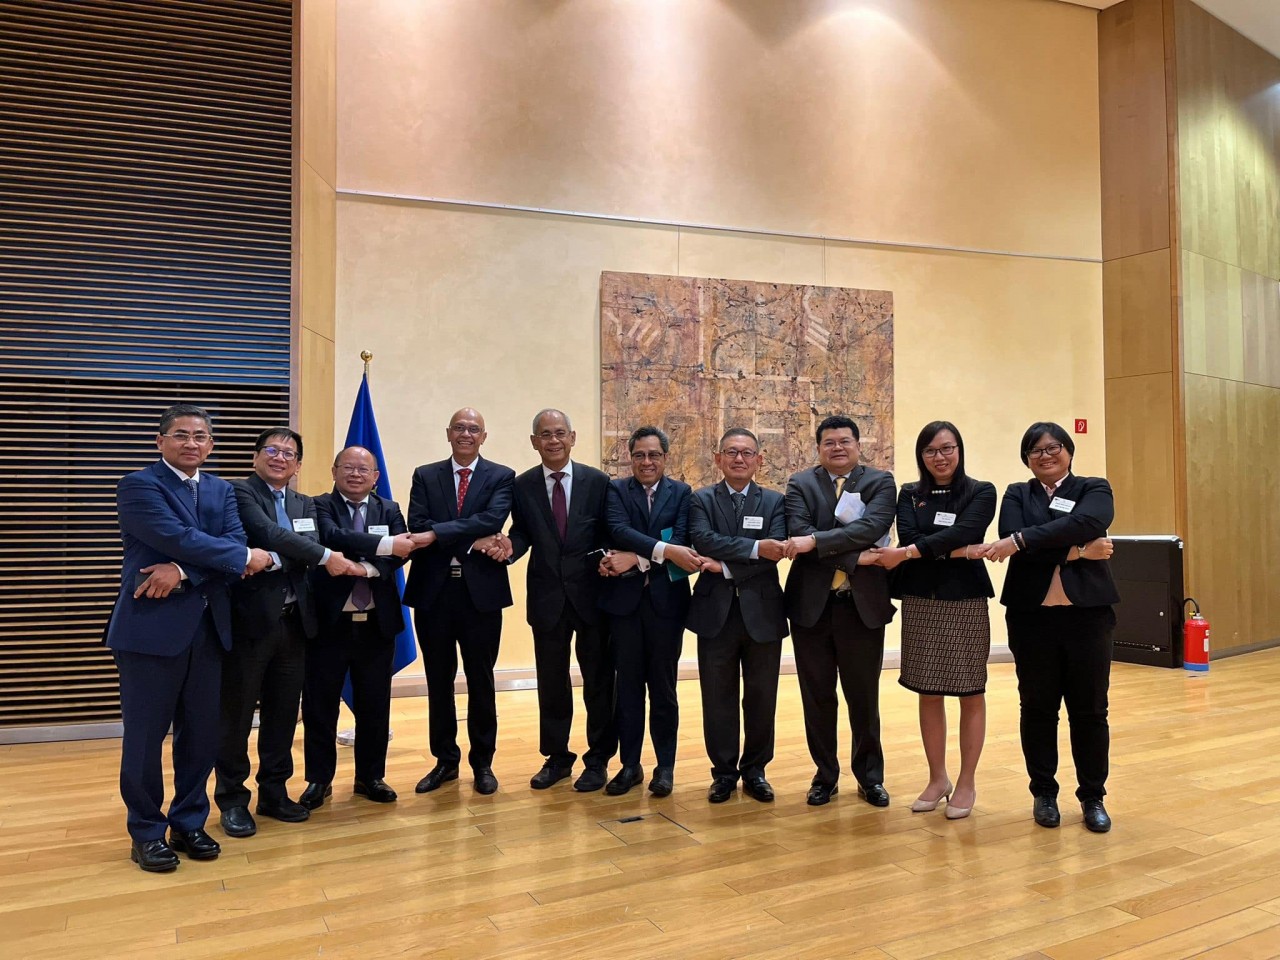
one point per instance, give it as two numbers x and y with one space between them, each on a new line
304 525
941 519
1062 504
753 523
378 530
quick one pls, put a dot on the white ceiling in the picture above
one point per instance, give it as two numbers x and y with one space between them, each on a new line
1259 20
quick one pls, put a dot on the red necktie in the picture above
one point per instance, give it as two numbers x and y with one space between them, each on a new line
559 505
463 482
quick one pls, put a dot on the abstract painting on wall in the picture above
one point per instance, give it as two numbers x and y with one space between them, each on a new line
696 356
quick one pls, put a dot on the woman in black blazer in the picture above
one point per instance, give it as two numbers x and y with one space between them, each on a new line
944 588
1058 598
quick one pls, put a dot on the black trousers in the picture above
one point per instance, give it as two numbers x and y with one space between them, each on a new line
450 624
840 644
358 647
154 693
646 653
267 673
721 659
1064 654
555 690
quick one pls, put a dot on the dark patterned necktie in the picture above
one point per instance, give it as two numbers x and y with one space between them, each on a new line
739 502
560 505
193 488
464 481
361 592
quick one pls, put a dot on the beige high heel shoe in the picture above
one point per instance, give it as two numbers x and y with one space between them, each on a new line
959 813
921 805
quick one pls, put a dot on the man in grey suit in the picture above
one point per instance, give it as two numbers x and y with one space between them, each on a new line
838 602
737 611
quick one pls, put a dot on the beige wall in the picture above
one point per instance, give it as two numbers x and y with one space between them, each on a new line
971 123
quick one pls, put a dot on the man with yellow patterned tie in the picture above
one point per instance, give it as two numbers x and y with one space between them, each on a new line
838 602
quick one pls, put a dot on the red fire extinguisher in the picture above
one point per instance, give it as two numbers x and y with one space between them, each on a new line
1195 640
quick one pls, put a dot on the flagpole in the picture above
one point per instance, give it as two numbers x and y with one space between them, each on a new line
347 738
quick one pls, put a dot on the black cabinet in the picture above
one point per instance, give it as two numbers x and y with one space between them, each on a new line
1148 574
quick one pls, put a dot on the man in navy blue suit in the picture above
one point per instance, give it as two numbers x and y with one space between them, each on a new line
458 588
647 598
183 546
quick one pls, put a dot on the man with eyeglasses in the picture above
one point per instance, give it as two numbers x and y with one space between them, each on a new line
740 530
647 598
558 518
360 616
272 617
170 626
458 588
838 602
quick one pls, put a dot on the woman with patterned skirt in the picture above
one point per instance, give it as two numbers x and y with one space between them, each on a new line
944 587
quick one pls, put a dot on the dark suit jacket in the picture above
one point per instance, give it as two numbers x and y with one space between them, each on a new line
336 533
433 505
256 601
716 533
811 502
559 573
1049 535
633 528
937 575
159 525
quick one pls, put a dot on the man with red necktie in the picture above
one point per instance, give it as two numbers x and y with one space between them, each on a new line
458 587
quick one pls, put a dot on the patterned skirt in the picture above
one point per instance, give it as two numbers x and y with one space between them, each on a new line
945 645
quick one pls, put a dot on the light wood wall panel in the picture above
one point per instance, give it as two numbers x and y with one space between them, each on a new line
1137 304
913 120
1135 134
1140 453
1228 115
1233 527
315 238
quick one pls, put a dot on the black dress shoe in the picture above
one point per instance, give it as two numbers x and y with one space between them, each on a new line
549 776
1046 811
196 844
626 778
376 790
439 775
820 793
875 794
1095 816
592 779
663 782
757 788
485 782
315 795
722 789
283 809
238 822
154 856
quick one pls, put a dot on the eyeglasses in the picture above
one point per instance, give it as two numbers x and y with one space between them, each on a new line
554 435
354 471
280 452
183 437
647 455
1048 450
747 455
472 428
837 444
945 450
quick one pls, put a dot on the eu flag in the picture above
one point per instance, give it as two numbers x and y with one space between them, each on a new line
363 432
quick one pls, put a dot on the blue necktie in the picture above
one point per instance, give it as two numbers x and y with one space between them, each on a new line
282 518
193 487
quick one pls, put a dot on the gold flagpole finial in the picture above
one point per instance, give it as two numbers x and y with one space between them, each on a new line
366 356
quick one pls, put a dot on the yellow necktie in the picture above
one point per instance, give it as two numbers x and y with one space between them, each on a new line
839 578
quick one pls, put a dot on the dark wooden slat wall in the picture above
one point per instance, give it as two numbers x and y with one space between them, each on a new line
145 258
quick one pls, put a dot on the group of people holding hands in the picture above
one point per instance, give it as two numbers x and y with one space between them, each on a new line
245 594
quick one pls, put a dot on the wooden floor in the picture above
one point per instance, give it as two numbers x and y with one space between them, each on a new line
1192 867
